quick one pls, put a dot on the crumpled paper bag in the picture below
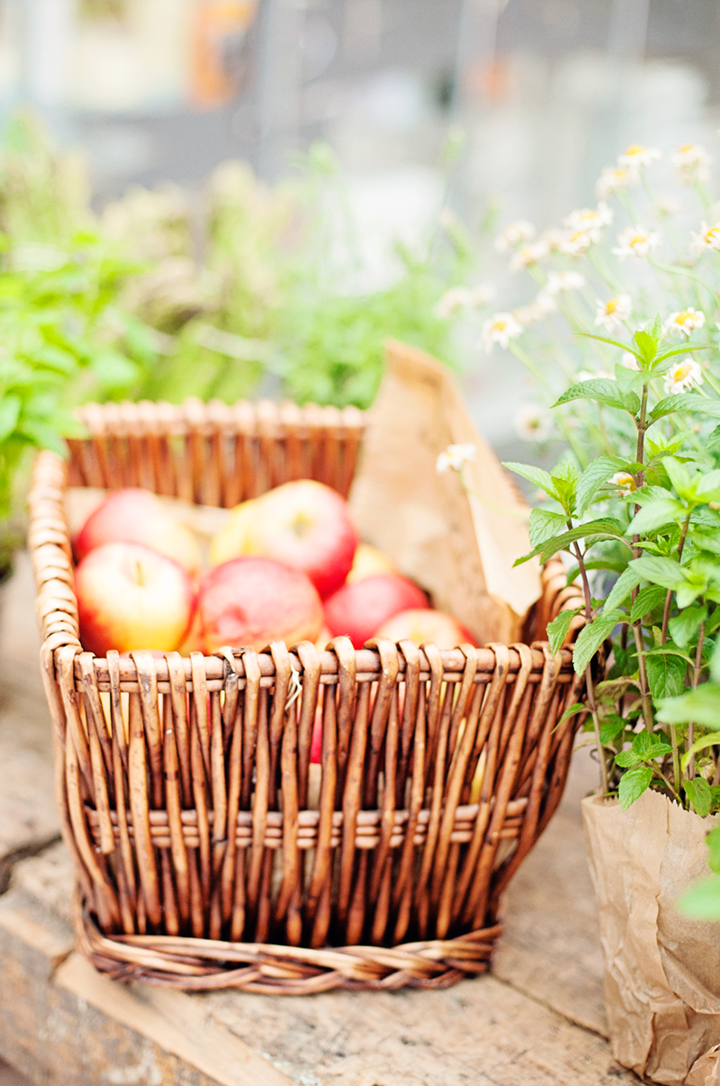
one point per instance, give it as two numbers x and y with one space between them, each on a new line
458 545
662 969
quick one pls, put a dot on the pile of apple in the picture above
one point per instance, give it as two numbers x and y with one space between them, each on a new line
287 566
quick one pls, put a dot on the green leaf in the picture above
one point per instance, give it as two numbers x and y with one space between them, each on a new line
684 627
663 571
592 529
706 541
613 342
534 475
544 524
705 741
591 638
633 784
603 390
666 675
656 514
611 728
701 901
557 630
646 601
701 705
622 588
685 401
572 710
595 474
698 792
647 746
646 345
9 413
627 758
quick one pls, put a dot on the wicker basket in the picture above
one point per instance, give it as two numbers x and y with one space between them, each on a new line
183 782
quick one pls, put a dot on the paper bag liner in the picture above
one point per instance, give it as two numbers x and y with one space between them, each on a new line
459 544
662 969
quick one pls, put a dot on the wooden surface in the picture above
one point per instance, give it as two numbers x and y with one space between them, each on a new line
537 1020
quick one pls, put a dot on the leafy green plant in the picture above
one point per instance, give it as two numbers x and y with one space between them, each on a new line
633 502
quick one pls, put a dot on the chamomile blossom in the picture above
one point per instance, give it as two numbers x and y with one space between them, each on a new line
636 155
684 322
613 178
458 298
515 233
683 375
500 329
559 281
611 314
539 308
691 161
624 481
553 237
709 236
636 242
533 422
590 218
528 254
454 456
577 242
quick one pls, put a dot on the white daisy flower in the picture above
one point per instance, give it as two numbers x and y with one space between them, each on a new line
533 422
613 178
590 218
629 361
563 280
684 322
691 161
683 375
611 314
709 236
579 241
624 481
636 155
454 456
528 254
500 329
636 242
458 298
515 233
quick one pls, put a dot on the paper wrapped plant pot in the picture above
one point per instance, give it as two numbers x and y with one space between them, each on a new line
184 782
662 969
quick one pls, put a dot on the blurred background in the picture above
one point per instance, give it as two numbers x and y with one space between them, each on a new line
545 93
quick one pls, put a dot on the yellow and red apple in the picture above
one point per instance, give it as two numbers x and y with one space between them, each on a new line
131 597
303 524
368 561
424 625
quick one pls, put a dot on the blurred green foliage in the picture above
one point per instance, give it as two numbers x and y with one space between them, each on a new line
246 290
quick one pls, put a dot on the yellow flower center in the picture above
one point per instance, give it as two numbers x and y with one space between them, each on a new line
684 316
635 149
499 326
611 306
681 372
638 239
687 147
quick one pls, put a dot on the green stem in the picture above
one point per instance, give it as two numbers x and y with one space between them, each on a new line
589 683
695 680
668 598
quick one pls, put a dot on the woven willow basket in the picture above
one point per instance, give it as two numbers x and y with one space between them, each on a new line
184 782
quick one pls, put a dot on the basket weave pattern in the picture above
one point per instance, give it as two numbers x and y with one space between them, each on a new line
208 853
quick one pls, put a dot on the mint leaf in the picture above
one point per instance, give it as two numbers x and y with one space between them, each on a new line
557 630
633 784
591 638
698 792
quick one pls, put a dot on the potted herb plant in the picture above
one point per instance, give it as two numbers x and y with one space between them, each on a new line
633 504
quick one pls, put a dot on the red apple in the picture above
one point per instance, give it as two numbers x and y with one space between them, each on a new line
424 625
136 516
360 607
304 524
253 601
369 561
131 597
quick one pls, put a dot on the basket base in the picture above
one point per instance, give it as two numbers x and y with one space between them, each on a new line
204 964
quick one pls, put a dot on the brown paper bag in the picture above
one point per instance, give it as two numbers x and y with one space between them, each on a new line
662 969
460 546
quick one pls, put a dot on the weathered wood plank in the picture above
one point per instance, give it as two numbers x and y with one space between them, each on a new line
63 1024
